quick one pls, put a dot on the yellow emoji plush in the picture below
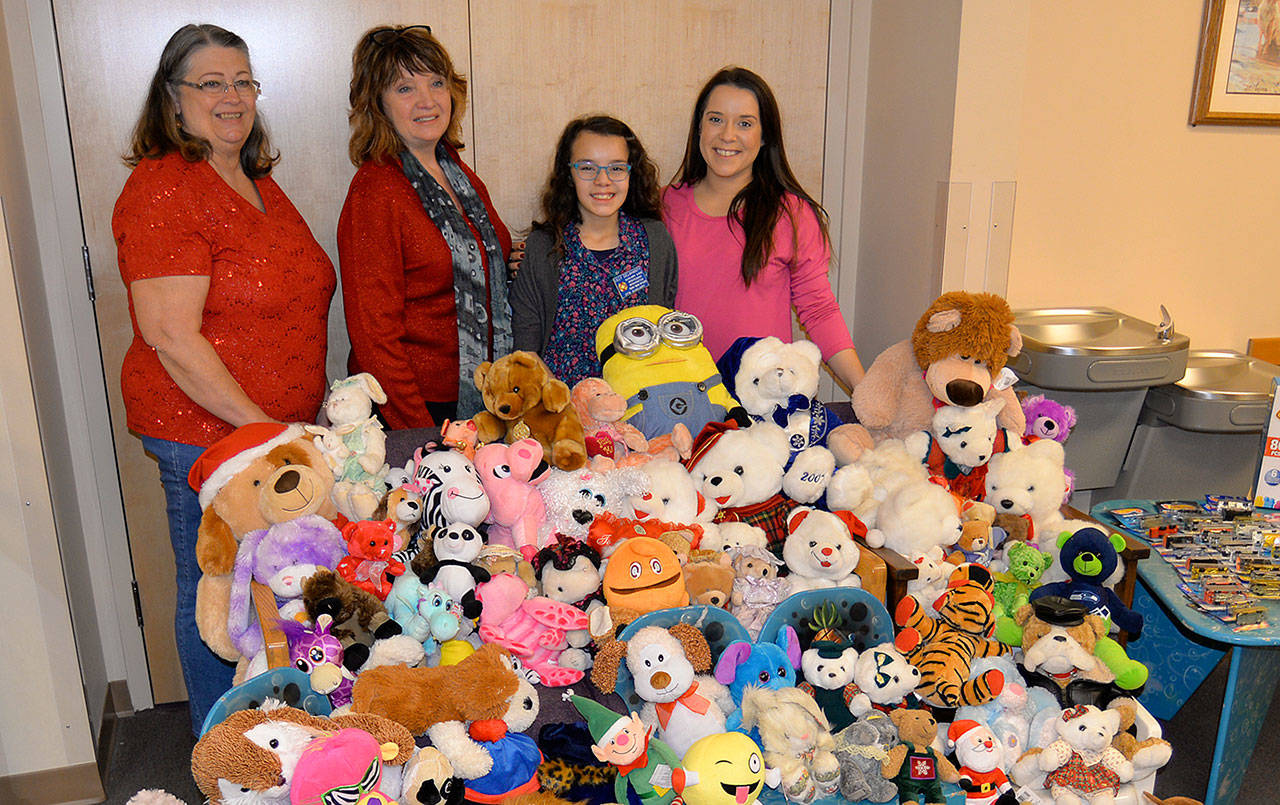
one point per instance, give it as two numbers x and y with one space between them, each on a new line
723 769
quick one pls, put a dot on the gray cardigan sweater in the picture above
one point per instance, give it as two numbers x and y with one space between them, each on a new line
537 285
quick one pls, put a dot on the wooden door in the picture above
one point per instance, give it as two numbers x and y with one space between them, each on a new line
532 67
301 53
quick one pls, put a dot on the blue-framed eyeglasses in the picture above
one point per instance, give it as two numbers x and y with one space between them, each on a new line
587 171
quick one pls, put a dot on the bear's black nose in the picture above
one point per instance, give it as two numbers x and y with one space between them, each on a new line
1005 503
504 409
582 516
287 482
964 393
715 481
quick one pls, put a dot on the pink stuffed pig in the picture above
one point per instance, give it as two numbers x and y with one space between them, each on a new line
533 629
508 473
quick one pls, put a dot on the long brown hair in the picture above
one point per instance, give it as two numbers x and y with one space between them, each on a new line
559 196
159 128
379 57
757 206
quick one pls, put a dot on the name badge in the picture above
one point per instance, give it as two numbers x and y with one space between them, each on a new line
631 281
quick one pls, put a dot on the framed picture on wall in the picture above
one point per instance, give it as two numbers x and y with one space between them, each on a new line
1238 73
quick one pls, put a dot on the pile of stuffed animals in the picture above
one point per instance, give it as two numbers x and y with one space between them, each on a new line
556 561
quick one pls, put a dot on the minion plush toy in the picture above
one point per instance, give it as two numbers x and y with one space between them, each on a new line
654 357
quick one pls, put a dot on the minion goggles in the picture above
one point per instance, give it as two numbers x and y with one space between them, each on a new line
638 337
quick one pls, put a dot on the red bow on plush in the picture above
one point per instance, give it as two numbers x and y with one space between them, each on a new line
689 698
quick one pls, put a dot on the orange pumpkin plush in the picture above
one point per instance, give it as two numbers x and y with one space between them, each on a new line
525 400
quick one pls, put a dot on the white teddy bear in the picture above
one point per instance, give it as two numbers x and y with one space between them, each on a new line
1081 765
860 487
828 678
886 678
820 551
726 536
917 517
959 443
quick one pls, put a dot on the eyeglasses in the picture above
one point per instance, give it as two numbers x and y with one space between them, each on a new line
587 171
388 35
244 87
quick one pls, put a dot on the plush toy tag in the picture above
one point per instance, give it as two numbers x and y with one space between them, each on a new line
1004 380
631 281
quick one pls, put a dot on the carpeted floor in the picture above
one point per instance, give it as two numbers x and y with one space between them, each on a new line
152 749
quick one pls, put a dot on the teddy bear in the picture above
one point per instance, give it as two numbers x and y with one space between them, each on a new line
978 536
958 444
474 712
252 754
653 357
401 505
361 478
710 581
508 474
742 471
259 475
757 588
370 564
859 748
861 486
828 677
568 571
671 495
360 620
887 679
524 400
982 773
796 740
956 355
1028 484
1081 764
944 647
280 557
1090 557
668 668
778 382
820 550
916 519
1049 419
913 765
574 499
1012 590
533 628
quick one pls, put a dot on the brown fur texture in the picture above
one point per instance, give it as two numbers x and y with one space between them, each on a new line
916 729
604 673
476 688
520 394
359 612
710 582
695 646
1171 800
895 400
1085 634
224 753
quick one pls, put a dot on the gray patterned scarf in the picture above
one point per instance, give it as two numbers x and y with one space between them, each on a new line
481 336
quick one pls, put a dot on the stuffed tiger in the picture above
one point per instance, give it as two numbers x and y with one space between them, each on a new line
943 648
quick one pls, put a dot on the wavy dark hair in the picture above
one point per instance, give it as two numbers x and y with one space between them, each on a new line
159 128
376 63
757 206
560 198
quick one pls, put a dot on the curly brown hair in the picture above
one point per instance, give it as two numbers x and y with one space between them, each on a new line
559 197
159 130
380 56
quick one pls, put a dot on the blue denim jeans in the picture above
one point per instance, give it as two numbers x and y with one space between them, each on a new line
207 675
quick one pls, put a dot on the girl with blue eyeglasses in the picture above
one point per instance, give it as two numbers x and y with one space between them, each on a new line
599 248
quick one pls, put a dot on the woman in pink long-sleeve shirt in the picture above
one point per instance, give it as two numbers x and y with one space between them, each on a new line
751 242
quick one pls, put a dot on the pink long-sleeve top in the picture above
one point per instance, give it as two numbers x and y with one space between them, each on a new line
710 280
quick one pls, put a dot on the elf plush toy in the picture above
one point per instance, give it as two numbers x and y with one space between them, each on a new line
625 742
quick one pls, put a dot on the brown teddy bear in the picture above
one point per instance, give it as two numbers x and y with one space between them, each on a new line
954 357
261 474
525 400
913 765
710 581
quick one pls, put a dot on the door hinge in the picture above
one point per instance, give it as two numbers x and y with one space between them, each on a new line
137 602
88 273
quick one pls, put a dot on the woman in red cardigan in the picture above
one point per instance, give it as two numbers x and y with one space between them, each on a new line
421 249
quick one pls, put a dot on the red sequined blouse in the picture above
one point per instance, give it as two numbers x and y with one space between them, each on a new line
397 290
267 309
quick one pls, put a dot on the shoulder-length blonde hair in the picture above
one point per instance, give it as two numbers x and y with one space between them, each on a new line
159 128
381 54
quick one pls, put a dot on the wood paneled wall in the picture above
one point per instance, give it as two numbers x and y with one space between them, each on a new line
532 64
